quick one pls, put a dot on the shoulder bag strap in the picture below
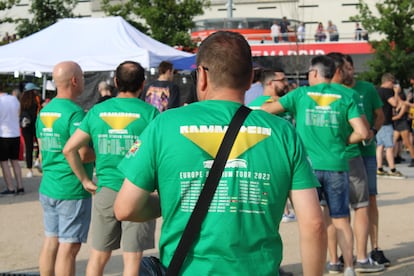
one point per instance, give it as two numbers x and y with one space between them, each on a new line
206 196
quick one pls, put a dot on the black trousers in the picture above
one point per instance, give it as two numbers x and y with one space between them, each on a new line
29 136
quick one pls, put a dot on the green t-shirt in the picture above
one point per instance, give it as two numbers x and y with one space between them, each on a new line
352 150
322 113
56 122
259 101
371 102
114 125
239 235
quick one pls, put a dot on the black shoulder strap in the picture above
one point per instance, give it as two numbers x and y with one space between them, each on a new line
206 196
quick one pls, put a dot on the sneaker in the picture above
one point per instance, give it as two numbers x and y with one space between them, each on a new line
29 174
368 266
38 165
335 268
396 175
288 218
20 191
349 271
377 256
7 192
284 273
382 173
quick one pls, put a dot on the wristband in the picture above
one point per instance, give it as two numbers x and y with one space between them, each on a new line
374 130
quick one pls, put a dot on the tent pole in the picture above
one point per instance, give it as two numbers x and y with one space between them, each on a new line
44 87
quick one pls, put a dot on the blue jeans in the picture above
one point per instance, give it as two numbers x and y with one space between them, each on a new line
335 190
66 219
370 163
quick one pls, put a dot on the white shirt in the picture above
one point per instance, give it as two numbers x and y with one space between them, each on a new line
9 116
274 30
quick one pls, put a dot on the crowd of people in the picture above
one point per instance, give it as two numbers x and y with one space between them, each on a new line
282 31
151 159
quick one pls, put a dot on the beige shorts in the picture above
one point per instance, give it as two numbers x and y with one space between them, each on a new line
110 234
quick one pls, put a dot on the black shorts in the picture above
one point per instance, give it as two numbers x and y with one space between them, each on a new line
401 125
9 148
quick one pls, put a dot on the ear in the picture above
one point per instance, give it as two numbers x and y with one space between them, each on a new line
116 82
202 83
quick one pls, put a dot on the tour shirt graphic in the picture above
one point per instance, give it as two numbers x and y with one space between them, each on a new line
116 139
250 195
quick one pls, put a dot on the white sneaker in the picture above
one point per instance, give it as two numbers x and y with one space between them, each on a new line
349 271
29 174
38 165
288 218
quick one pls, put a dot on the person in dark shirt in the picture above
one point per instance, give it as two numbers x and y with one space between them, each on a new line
163 93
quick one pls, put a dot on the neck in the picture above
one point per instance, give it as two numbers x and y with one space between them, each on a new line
127 94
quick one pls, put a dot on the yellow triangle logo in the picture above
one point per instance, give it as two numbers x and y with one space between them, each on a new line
210 142
49 118
119 121
323 99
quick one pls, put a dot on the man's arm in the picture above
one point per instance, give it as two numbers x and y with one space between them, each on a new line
75 152
312 231
378 118
135 204
273 107
360 131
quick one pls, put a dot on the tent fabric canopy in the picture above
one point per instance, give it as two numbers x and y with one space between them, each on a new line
97 44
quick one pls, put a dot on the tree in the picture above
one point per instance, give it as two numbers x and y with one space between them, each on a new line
45 13
166 20
395 52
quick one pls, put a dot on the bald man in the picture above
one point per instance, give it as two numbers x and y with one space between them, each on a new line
66 203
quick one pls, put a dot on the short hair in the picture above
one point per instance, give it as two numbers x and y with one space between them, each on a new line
269 74
387 77
130 76
164 66
412 76
103 85
338 58
228 59
325 65
349 59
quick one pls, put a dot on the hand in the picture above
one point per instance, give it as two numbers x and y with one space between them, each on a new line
90 186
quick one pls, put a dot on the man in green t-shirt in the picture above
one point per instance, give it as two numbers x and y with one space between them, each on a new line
239 235
373 111
358 180
113 126
327 119
66 204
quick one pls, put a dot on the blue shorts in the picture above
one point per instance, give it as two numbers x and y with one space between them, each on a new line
66 219
370 163
335 190
385 136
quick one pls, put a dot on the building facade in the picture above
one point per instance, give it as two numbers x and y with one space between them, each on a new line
311 12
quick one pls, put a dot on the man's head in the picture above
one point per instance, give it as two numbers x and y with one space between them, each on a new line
224 61
166 69
339 60
129 77
387 80
321 70
348 71
68 78
274 82
104 89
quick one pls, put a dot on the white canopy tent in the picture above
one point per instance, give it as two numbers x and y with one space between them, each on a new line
97 44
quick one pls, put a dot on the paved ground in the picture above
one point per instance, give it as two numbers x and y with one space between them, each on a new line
21 231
